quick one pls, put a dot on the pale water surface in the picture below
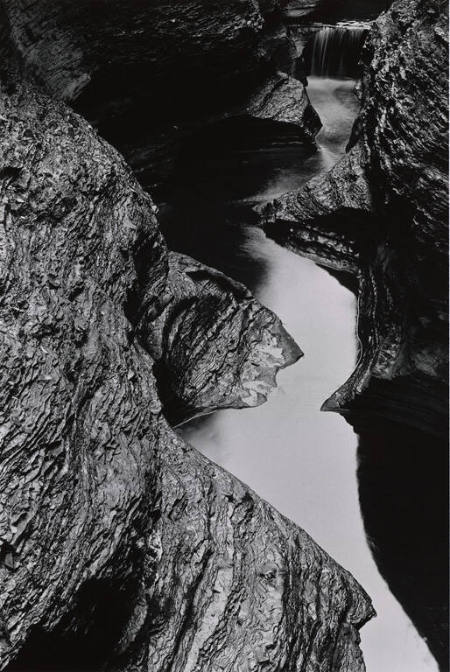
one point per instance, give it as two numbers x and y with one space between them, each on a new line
303 461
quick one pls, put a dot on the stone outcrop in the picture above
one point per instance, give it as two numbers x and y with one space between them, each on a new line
324 219
215 345
122 548
149 75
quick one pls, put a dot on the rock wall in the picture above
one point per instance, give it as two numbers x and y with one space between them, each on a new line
122 548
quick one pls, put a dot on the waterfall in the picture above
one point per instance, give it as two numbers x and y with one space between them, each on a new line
334 51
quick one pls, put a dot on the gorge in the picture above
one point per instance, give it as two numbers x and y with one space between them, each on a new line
145 290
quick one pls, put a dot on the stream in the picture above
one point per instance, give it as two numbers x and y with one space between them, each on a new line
299 459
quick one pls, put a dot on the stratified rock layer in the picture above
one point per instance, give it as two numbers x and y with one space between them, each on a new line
217 346
121 547
383 209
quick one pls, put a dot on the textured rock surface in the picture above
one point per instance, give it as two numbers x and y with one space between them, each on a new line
121 547
68 46
149 74
384 207
283 99
342 195
216 346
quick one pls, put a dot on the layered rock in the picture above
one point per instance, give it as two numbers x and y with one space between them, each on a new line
374 209
121 547
216 347
148 75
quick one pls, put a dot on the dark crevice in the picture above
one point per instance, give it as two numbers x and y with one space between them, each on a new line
86 639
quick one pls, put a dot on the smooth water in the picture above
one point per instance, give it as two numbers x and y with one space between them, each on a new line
303 461
237 173
337 105
299 459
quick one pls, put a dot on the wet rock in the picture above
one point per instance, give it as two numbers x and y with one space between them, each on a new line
333 210
283 99
122 548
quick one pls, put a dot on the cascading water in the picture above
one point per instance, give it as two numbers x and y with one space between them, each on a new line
334 51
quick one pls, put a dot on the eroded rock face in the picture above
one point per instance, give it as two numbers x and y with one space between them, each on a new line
333 210
73 47
121 547
383 210
148 75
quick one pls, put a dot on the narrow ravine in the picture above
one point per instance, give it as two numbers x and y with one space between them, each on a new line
303 461
299 459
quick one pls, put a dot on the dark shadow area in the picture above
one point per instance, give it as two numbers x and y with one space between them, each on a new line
238 158
335 242
213 235
86 639
403 488
205 212
331 11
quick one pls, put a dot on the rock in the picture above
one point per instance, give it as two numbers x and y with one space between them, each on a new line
148 75
281 103
403 491
216 347
283 99
299 9
122 548
79 50
372 214
333 208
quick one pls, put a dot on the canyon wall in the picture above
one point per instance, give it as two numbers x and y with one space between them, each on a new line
382 212
121 547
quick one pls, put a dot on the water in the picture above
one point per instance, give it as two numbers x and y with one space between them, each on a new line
303 461
337 105
300 460
234 171
334 51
